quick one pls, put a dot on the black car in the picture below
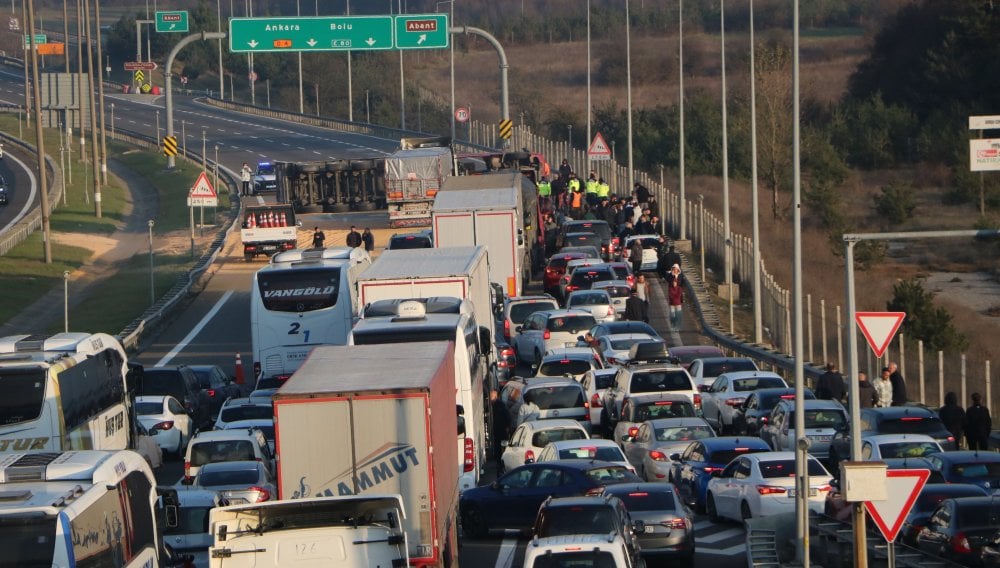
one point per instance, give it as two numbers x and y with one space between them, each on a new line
609 243
180 382
959 528
968 466
582 240
758 406
217 385
600 515
512 501
422 239
931 496
893 420
3 191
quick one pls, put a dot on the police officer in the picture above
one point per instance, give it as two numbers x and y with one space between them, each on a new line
591 189
544 192
603 189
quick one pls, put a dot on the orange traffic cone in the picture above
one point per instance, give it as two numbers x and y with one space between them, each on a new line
238 375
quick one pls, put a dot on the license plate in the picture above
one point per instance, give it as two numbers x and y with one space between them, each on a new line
821 438
570 344
812 492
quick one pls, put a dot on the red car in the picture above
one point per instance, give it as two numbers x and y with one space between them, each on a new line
555 269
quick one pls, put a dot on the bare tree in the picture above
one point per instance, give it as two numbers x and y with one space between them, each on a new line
774 117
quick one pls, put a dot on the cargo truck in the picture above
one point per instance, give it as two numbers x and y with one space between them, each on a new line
375 420
267 230
498 211
413 176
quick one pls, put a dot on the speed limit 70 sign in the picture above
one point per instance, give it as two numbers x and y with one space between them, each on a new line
462 114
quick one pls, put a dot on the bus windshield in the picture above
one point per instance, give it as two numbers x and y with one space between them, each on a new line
23 394
299 290
29 539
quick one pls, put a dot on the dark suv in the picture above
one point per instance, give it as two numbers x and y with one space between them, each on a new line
586 515
894 420
217 385
180 382
609 242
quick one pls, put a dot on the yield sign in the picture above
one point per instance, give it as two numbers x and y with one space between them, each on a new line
202 187
902 493
879 328
598 149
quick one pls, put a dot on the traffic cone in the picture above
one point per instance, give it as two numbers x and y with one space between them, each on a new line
284 223
251 221
238 375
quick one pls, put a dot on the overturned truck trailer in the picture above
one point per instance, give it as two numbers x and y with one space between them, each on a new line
332 186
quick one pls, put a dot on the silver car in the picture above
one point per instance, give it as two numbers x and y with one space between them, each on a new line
654 441
547 330
823 419
237 482
186 528
722 403
615 348
618 290
598 302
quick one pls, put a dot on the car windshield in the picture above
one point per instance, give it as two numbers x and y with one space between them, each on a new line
577 519
409 242
747 385
143 408
603 453
657 381
908 449
576 559
228 477
520 311
910 425
715 369
663 409
572 324
556 397
786 468
265 169
545 437
248 412
626 344
683 433
564 366
655 500
223 450
929 500
976 470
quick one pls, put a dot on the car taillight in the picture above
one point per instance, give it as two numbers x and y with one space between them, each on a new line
951 438
529 456
470 456
960 544
735 402
506 328
709 469
611 311
165 425
551 271
262 494
763 419
594 491
249 248
612 361
595 401
571 288
615 241
187 469
211 392
657 455
824 488
633 431
288 246
547 334
697 401
678 523
770 490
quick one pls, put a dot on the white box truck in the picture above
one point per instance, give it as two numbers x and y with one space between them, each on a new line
373 420
498 211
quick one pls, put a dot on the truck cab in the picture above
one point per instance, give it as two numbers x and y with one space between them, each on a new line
264 179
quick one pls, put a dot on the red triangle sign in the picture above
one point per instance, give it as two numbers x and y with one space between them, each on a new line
202 187
902 487
879 328
599 147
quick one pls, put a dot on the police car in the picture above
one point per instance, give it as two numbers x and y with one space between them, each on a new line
265 179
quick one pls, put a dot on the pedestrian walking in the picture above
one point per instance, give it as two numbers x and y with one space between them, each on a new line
953 417
666 261
368 239
635 256
245 175
675 296
866 392
354 237
642 289
883 388
318 238
898 385
830 385
977 423
635 308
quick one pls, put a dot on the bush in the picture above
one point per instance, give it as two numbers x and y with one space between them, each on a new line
923 320
896 202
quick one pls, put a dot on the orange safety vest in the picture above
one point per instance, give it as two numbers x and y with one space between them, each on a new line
577 200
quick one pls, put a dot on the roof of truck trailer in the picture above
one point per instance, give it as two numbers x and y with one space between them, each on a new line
500 180
430 262
463 199
333 369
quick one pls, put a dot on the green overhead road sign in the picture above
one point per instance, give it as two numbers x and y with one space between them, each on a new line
172 21
345 33
39 38
422 31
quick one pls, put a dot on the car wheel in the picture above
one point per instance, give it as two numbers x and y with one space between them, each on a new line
710 510
605 424
538 357
745 511
722 426
474 523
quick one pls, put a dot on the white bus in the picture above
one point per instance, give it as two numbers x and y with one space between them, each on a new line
302 299
63 392
77 509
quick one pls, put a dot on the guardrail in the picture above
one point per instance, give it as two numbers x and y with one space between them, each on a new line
833 542
32 221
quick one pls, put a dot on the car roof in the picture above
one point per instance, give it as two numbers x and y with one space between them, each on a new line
528 299
591 541
582 465
595 442
197 498
967 456
736 375
204 367
895 412
815 404
647 487
691 349
910 463
249 423
640 397
890 438
643 236
569 353
772 456
946 488
624 325
575 501
236 465
571 255
609 283
985 501
563 313
244 401
212 435
723 442
677 422
634 335
153 398
586 292
546 382
555 424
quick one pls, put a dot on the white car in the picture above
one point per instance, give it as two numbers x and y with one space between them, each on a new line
598 302
650 250
722 403
225 445
167 422
619 291
549 330
887 446
570 362
597 449
242 409
763 484
615 347
594 384
578 550
238 482
530 438
706 369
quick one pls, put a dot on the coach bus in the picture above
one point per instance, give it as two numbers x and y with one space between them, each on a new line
67 391
302 299
78 509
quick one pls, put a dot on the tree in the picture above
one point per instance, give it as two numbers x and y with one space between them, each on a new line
925 321
774 119
896 202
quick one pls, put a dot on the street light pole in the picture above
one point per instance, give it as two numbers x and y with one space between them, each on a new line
680 142
725 174
628 81
758 327
302 98
66 301
802 495
350 87
589 113
222 71
152 284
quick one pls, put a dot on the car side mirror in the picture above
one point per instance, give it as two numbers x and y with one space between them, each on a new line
705 388
675 457
627 438
187 481
504 443
517 329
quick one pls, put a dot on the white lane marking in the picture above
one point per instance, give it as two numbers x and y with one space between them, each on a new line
505 558
194 331
716 537
31 193
735 550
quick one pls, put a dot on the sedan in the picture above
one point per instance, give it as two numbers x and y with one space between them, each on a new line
598 302
705 370
618 290
649 445
555 269
237 482
882 446
594 384
840 509
166 420
650 250
639 408
722 403
569 362
762 485
243 409
615 348
758 406
603 450
931 496
530 438
693 468
548 330
668 526
513 500
686 354
623 326
978 468
959 528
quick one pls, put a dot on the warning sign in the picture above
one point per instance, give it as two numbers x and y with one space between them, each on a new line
598 149
202 193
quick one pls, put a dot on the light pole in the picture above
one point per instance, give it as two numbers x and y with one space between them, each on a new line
66 301
758 326
302 100
628 82
113 121
216 167
801 502
402 84
680 142
451 49
350 87
368 110
152 285
725 174
589 133
158 127
222 71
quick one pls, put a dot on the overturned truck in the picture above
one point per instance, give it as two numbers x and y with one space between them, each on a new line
332 186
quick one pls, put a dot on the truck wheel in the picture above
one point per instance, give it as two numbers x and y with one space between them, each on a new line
474 523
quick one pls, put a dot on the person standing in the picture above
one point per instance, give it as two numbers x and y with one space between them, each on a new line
830 385
866 392
898 385
642 289
675 296
368 239
977 423
245 174
667 260
883 388
318 238
354 237
635 308
953 417
635 255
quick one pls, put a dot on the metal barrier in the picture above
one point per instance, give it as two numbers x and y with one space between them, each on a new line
834 541
32 221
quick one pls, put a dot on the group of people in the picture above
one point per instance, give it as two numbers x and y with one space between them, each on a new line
973 423
354 238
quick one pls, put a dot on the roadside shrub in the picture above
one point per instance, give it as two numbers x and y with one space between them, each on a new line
923 319
896 202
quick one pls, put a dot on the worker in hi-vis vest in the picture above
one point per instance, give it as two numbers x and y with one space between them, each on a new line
591 189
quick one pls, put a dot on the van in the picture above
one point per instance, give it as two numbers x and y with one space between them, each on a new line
544 398
226 445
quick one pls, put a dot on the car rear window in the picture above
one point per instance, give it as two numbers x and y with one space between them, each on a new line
554 398
786 468
647 242
907 449
598 228
604 380
545 437
602 453
559 368
663 409
577 519
248 412
409 242
626 344
570 323
978 515
228 477
589 299
520 311
976 470
929 500
911 425
648 500
221 450
190 520
559 261
586 277
716 369
658 381
747 385
617 291
576 559
611 474
148 408
725 456
683 433
824 419
163 383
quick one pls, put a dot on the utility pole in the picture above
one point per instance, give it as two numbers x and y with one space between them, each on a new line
93 112
43 185
100 97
